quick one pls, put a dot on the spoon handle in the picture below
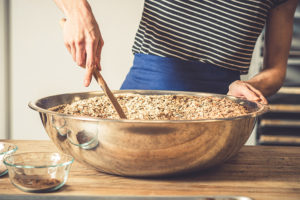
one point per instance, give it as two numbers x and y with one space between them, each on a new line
109 94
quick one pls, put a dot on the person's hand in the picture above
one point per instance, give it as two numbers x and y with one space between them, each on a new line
244 90
83 40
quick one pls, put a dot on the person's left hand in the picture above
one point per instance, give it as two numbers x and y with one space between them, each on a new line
244 90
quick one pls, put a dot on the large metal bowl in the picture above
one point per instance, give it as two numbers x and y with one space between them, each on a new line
146 148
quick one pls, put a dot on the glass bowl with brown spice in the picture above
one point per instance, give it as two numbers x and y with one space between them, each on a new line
38 171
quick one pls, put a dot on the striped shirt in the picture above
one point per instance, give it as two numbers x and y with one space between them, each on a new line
219 32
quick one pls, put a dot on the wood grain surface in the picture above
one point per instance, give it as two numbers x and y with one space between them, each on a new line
259 172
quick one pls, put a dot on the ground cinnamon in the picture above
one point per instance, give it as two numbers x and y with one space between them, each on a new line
36 182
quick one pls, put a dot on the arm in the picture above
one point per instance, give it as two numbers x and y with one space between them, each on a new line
82 36
278 35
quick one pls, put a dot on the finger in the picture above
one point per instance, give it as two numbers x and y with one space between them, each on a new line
263 100
84 58
88 75
256 91
261 97
98 57
91 48
62 22
73 51
80 54
90 61
98 53
68 47
250 95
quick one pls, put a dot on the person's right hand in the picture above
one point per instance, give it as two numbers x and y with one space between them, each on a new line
83 40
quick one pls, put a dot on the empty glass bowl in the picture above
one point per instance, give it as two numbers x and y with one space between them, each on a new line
38 171
5 150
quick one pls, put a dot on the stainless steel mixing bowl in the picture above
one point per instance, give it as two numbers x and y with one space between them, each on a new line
146 148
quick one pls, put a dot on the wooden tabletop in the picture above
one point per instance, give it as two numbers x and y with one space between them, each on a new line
259 172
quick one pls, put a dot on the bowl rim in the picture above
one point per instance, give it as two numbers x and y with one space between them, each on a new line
15 148
262 107
38 166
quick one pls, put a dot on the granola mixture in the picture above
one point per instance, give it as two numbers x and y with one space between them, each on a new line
156 107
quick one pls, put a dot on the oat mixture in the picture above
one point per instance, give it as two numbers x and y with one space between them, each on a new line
156 107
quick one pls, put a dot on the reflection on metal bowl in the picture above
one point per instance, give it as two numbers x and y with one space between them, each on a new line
146 148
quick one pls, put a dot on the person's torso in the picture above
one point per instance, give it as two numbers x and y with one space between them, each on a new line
218 32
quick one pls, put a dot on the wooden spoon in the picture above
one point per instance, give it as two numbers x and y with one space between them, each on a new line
109 94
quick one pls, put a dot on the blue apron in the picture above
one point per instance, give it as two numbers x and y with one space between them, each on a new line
150 72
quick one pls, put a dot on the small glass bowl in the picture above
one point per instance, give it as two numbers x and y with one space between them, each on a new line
38 171
5 150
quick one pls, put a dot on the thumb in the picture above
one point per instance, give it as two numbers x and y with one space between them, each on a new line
62 22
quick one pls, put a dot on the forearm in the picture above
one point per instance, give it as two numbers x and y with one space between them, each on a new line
74 8
278 35
269 80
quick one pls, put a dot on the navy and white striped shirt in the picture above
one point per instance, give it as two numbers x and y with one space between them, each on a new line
219 32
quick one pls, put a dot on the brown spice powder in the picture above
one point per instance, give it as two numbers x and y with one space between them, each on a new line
37 183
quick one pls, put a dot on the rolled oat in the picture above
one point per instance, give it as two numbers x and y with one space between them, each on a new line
156 107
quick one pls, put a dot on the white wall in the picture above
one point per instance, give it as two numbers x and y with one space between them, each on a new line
3 72
41 66
255 67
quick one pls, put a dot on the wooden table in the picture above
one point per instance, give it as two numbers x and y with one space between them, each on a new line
259 172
